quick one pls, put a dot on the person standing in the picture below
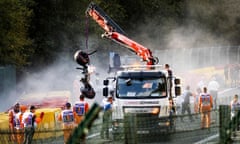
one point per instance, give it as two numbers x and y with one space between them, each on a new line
20 126
80 109
213 87
13 123
234 105
167 68
196 100
186 103
226 74
107 117
29 125
67 117
170 74
205 107
233 75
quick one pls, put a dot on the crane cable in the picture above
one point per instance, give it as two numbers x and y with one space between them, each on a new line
86 32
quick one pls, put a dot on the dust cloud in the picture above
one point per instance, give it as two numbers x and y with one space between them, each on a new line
62 75
187 46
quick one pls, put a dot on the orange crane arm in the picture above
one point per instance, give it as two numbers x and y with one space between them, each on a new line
116 34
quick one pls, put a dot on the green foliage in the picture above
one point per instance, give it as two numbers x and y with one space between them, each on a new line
15 45
36 32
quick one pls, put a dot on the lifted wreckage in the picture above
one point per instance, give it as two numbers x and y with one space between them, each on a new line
143 100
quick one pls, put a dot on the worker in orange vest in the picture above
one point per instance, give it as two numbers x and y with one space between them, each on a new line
20 126
67 117
13 123
80 109
205 107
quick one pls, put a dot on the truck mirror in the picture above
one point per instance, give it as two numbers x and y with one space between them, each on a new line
177 90
177 81
105 82
105 91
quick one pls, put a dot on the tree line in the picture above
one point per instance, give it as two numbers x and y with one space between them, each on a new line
34 32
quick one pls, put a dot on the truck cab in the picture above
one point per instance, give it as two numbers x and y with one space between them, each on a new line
143 103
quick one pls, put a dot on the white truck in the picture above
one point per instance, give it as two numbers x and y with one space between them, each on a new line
142 103
143 99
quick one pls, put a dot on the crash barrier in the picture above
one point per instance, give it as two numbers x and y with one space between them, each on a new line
46 136
127 130
184 130
49 131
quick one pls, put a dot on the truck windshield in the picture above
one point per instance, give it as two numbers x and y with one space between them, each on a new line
141 88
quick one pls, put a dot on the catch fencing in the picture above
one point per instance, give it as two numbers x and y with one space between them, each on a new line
186 130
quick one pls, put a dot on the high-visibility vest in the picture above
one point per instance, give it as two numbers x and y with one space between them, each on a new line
205 101
28 120
67 116
80 108
19 124
13 118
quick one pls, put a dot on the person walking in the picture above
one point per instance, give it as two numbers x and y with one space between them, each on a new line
80 109
29 125
213 87
67 118
13 123
186 103
107 117
205 107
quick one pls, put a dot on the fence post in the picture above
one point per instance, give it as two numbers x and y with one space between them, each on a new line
224 124
130 128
